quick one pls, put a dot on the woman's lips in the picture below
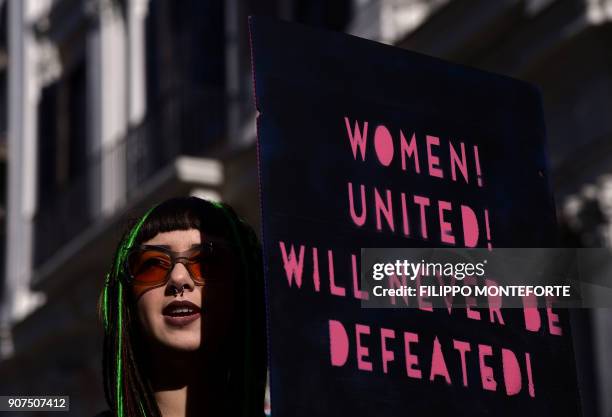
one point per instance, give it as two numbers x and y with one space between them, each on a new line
181 313
182 320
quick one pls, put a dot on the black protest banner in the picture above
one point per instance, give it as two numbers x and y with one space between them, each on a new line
366 145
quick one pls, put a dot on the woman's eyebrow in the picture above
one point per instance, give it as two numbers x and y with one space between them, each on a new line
160 246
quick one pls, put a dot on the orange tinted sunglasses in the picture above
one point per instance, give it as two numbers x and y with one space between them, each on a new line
150 265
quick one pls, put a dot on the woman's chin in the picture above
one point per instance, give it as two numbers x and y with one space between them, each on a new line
181 342
183 346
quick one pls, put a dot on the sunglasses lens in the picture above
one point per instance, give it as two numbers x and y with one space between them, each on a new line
149 266
194 265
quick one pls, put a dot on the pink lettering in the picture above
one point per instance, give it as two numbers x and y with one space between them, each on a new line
359 220
433 161
462 347
486 372
357 139
387 355
512 372
362 352
386 210
383 145
293 267
470 227
333 288
457 162
338 343
410 151
438 365
412 361
422 202
446 229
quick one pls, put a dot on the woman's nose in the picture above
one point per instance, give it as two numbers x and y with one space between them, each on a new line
180 277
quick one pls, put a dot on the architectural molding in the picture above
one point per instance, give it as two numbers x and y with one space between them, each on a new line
388 21
599 11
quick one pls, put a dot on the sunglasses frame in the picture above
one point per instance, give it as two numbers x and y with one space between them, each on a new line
208 248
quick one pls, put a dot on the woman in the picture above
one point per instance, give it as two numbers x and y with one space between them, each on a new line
183 315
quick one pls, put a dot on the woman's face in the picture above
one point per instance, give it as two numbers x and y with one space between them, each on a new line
176 318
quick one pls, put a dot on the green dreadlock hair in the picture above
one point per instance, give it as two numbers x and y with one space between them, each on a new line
128 392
